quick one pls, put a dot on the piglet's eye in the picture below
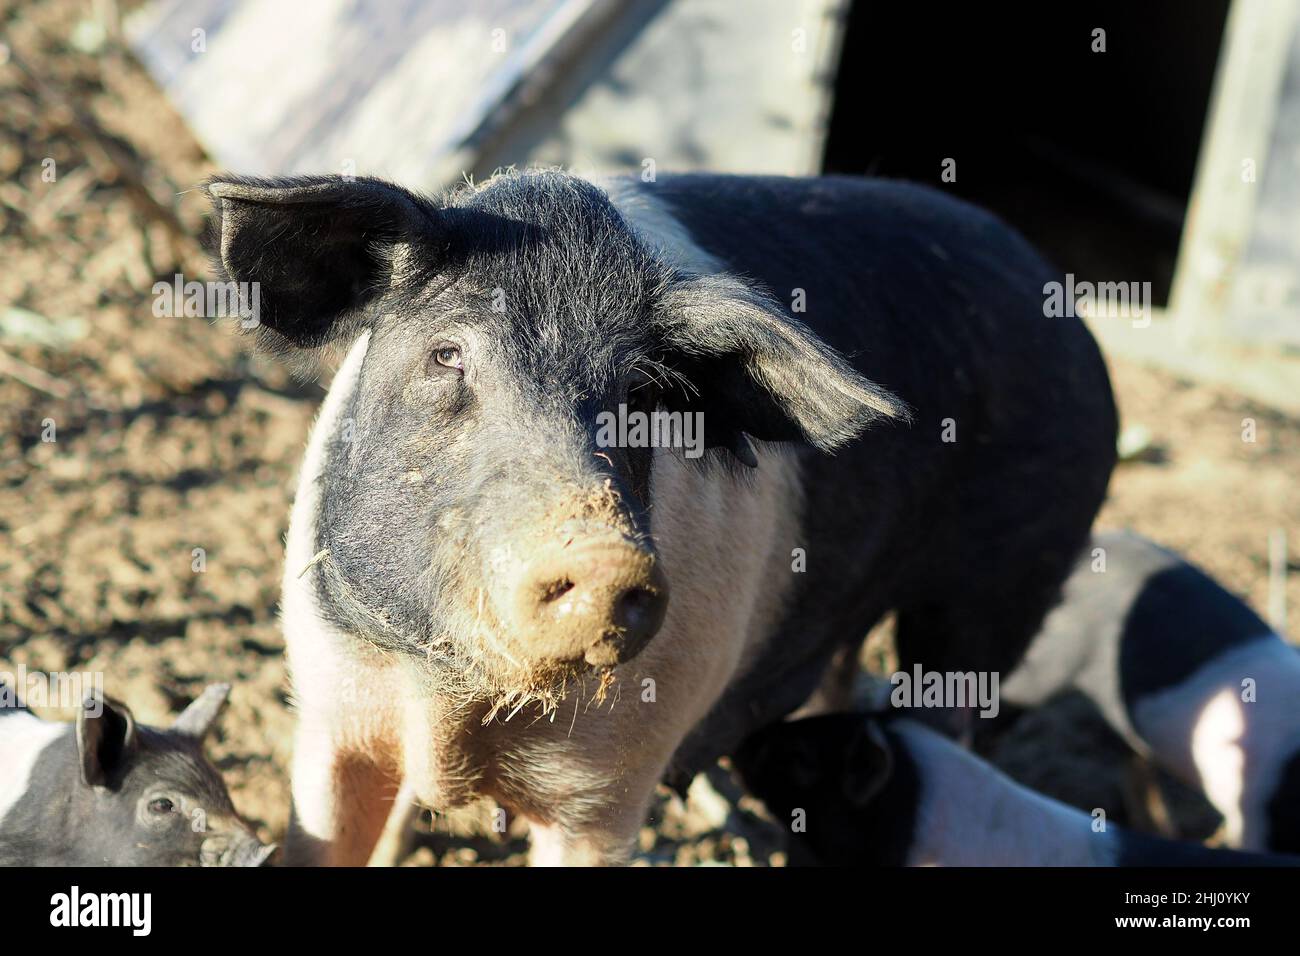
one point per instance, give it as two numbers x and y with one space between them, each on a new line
161 805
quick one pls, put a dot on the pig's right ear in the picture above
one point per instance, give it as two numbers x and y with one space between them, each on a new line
320 249
868 764
106 738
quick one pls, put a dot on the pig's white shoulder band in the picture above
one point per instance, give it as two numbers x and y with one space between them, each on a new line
656 226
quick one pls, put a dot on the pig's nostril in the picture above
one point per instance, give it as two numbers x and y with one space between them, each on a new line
556 590
640 611
636 614
637 609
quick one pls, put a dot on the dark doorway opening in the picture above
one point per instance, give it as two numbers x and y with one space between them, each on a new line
1090 154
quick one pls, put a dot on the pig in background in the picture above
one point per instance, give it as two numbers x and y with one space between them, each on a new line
480 600
1186 673
888 791
106 791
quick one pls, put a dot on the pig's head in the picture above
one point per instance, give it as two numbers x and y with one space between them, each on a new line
845 775
468 509
131 795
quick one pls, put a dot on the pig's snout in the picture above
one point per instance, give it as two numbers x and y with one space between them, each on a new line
600 602
237 849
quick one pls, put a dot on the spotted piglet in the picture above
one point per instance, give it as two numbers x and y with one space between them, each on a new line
1186 673
857 789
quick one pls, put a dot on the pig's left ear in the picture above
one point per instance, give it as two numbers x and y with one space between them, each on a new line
197 719
763 373
320 248
106 738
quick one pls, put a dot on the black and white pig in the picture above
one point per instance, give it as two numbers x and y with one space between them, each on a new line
891 423
106 791
1186 673
855 789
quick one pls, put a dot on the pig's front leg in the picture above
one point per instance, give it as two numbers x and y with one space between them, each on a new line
584 781
586 786
346 759
550 845
341 800
606 838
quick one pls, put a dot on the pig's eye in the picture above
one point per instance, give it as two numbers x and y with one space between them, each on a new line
446 356
161 806
642 392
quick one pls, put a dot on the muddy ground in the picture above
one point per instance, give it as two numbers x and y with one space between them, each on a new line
168 437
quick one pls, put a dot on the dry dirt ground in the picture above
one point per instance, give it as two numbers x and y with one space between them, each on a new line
169 438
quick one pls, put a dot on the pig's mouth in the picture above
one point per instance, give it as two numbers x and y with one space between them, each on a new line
476 659
484 669
546 689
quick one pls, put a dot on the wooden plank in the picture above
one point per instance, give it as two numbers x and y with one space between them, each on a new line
1265 301
421 90
343 86
1222 213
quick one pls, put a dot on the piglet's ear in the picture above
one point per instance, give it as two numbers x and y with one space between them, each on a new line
197 719
757 371
320 249
106 739
868 765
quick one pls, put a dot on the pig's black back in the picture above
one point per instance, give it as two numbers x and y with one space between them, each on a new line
943 305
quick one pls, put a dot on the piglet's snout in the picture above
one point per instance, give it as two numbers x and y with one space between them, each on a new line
235 849
596 600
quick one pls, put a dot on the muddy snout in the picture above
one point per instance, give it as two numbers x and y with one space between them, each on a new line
598 600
